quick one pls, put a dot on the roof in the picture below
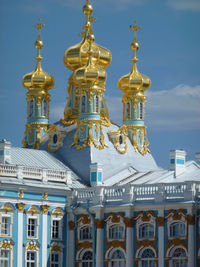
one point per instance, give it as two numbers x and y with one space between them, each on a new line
113 162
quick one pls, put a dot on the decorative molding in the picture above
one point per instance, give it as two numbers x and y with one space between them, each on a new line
146 243
176 242
84 219
45 209
84 245
160 221
20 207
71 225
32 245
33 210
56 248
6 244
99 224
58 212
116 244
129 222
190 219
7 208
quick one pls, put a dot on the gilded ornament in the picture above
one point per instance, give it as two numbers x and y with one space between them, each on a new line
129 222
160 221
116 244
21 193
84 219
20 207
45 209
190 219
6 244
84 245
58 212
56 248
45 196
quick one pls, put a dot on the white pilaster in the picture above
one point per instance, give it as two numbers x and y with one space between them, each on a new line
161 239
20 240
99 239
70 240
44 235
190 242
129 240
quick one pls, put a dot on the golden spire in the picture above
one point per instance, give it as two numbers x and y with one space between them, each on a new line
38 45
134 46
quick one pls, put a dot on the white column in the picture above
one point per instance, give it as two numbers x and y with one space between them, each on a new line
20 207
99 223
44 235
70 241
129 239
161 241
190 220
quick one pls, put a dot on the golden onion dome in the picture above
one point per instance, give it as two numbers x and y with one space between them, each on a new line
38 79
77 56
134 81
90 74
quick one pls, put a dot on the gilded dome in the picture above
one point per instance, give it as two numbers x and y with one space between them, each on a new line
90 74
134 81
38 79
77 56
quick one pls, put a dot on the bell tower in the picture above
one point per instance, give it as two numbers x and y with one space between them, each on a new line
38 83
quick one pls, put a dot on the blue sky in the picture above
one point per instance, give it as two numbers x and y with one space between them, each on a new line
169 54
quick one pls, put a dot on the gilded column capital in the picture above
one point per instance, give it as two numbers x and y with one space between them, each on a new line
20 207
160 221
99 224
129 222
190 219
71 225
45 209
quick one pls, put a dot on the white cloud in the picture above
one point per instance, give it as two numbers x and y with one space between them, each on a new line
177 109
193 5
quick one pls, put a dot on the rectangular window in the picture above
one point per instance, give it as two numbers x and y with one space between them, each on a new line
5 226
32 227
5 258
31 259
55 229
55 259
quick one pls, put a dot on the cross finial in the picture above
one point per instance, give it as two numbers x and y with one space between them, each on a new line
134 28
39 26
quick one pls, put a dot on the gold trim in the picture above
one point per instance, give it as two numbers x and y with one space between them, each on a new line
20 207
45 209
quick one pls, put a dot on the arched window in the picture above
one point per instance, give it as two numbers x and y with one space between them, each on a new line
177 230
127 111
44 108
179 258
85 233
117 259
83 103
146 231
5 257
96 103
87 259
116 231
147 258
141 110
31 107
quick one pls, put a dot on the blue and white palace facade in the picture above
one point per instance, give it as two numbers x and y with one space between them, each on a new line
85 192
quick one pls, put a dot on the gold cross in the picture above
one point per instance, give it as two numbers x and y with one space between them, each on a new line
39 26
134 28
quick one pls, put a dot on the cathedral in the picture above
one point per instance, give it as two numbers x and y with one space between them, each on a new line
86 192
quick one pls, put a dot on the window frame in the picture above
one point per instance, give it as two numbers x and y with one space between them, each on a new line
128 110
10 216
60 223
10 259
52 264
80 229
36 218
174 224
36 261
83 108
140 230
141 110
116 225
